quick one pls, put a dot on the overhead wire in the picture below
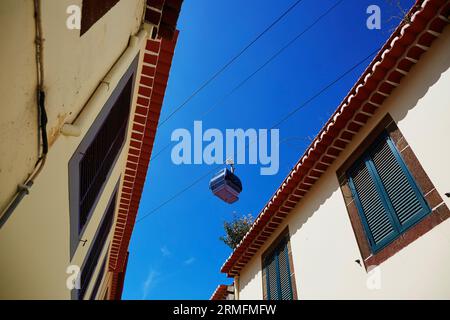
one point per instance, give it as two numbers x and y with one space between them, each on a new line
261 67
284 119
229 63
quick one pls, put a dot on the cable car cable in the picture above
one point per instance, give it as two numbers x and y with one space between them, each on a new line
290 114
250 76
230 62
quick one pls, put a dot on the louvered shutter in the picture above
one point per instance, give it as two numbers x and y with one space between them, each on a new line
376 214
278 274
99 157
385 193
271 277
285 274
406 201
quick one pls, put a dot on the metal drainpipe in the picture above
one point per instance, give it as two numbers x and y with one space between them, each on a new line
24 188
23 191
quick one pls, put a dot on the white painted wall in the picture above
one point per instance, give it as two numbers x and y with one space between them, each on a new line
34 242
323 243
73 68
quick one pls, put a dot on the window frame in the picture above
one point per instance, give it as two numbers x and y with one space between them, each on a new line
398 228
92 11
100 276
439 210
79 294
76 234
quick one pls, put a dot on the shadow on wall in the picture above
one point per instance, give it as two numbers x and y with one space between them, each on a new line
431 68
303 211
256 263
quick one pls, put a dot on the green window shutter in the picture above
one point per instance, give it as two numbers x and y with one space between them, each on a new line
407 201
278 274
285 273
386 195
378 224
271 278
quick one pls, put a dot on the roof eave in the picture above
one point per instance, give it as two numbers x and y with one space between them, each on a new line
402 50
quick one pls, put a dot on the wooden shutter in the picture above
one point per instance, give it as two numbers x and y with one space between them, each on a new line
271 278
386 195
285 274
278 274
404 196
102 153
374 212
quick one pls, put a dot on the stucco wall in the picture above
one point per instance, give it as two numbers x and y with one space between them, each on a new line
18 111
34 242
73 67
322 239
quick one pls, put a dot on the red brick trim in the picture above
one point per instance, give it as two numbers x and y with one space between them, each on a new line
145 121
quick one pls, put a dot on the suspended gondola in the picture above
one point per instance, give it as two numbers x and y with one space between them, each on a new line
226 185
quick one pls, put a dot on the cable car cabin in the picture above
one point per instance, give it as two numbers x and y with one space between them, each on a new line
226 185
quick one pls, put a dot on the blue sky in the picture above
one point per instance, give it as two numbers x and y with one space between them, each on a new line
175 252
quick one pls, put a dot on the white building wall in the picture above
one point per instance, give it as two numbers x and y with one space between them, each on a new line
34 242
74 65
322 239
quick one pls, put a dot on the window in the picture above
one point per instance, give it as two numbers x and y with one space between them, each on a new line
388 194
92 11
93 161
98 282
387 198
277 274
106 296
97 246
99 157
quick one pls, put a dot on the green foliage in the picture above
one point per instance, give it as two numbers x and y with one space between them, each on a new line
236 229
